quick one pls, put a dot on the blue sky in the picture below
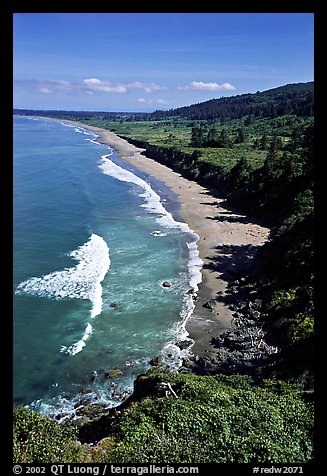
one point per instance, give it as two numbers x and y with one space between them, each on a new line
148 61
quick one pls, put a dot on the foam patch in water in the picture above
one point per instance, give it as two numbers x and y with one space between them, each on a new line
82 281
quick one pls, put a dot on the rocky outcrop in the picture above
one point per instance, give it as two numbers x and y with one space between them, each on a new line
113 373
211 304
166 284
157 361
246 347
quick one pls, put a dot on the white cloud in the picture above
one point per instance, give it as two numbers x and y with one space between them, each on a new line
43 86
202 86
45 90
148 88
87 86
63 83
96 85
152 101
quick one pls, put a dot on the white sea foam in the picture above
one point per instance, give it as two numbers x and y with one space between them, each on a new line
173 355
158 233
82 281
94 141
153 205
195 265
78 346
151 198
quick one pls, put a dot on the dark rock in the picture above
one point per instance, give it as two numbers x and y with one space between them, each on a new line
243 348
210 305
84 401
157 361
94 376
86 390
242 305
256 314
113 373
203 362
91 411
251 305
184 344
237 315
166 284
190 291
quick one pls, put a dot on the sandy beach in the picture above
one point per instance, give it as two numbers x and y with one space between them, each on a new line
227 241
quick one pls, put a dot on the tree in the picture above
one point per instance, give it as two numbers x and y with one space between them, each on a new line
212 137
263 142
240 136
223 141
250 119
197 137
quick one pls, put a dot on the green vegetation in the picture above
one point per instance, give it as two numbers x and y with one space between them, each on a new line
37 439
290 99
257 150
183 418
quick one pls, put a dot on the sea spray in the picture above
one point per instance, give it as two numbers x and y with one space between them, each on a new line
152 200
140 319
173 355
82 281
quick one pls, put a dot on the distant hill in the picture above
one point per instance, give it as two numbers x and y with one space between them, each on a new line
289 99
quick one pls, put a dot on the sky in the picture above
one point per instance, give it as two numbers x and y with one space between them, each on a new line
147 61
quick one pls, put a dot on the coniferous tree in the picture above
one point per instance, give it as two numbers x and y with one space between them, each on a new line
271 165
197 138
212 137
263 142
240 136
223 141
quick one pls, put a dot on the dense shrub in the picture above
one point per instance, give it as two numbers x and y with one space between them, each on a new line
216 419
37 439
213 419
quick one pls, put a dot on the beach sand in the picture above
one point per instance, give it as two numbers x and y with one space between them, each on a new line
227 241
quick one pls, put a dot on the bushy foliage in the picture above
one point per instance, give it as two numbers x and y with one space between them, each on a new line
268 173
215 419
292 311
37 439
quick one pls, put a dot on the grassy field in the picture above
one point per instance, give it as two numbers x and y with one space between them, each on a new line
177 132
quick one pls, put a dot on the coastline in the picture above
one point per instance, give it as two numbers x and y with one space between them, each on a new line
227 239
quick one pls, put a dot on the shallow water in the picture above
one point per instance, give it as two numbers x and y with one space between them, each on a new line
94 239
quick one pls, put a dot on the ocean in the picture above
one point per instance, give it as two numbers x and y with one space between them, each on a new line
94 241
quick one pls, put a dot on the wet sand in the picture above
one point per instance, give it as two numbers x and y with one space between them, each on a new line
227 241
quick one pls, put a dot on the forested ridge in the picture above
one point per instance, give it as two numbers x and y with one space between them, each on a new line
257 150
290 99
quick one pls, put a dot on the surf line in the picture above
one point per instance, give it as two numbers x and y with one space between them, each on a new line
82 281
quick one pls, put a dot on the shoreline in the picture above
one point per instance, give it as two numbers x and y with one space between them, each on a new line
225 239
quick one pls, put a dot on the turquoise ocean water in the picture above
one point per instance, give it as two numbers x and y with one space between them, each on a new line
94 239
